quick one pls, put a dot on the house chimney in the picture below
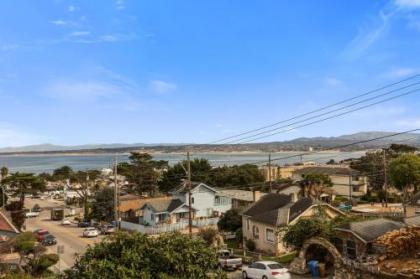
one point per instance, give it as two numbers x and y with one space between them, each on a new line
256 195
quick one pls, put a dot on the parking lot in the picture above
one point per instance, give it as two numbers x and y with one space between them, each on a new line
70 236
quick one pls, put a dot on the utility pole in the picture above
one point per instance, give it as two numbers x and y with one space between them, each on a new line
116 195
189 195
2 191
269 172
385 179
350 188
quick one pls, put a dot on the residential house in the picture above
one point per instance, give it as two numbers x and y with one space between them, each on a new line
346 181
241 199
265 221
7 229
170 211
130 206
356 239
207 201
278 172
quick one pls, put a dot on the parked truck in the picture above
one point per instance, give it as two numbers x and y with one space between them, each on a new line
228 261
57 214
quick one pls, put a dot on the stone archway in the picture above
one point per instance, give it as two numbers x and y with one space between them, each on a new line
299 265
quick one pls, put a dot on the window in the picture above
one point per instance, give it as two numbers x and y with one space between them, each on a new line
192 200
247 224
338 243
260 266
351 249
269 235
255 232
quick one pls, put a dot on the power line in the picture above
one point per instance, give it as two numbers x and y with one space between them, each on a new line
316 110
339 146
328 112
333 116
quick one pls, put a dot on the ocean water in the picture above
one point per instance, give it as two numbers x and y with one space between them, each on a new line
47 163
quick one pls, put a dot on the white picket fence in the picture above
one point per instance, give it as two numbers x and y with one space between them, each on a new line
165 228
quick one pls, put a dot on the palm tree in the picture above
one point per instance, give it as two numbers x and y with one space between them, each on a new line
313 185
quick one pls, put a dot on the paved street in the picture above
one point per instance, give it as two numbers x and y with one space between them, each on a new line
71 236
238 275
68 236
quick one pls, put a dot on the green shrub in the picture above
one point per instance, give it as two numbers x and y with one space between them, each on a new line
250 245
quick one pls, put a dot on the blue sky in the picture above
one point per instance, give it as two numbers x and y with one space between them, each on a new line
76 72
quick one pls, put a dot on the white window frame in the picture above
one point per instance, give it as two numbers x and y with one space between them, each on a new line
266 235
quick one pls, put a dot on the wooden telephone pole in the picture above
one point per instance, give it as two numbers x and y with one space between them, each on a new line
385 178
189 195
116 217
269 173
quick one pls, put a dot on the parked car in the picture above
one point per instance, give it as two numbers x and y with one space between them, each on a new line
83 224
107 229
49 240
66 223
228 261
265 270
90 232
40 234
36 208
31 214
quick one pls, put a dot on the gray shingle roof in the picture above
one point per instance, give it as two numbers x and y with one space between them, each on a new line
277 209
299 207
372 229
164 205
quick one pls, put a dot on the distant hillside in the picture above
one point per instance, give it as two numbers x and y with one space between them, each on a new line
299 144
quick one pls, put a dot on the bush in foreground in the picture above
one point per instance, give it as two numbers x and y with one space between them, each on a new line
134 255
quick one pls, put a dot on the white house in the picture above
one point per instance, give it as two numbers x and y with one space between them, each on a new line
164 212
207 201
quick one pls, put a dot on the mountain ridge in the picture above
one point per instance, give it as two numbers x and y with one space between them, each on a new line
302 143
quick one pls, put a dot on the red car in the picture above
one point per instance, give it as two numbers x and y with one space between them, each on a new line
40 234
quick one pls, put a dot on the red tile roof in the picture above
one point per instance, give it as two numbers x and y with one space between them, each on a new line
6 225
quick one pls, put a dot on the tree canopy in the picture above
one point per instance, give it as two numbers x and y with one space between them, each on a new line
103 205
134 255
405 172
314 184
24 183
372 163
142 172
230 221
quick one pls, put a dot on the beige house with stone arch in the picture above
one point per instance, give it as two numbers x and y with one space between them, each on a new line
265 221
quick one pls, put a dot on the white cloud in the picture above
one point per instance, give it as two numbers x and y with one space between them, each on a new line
400 72
88 90
71 8
119 4
330 81
59 22
407 3
79 33
162 87
369 35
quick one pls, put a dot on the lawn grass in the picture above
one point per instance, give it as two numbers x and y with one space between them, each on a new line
281 259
